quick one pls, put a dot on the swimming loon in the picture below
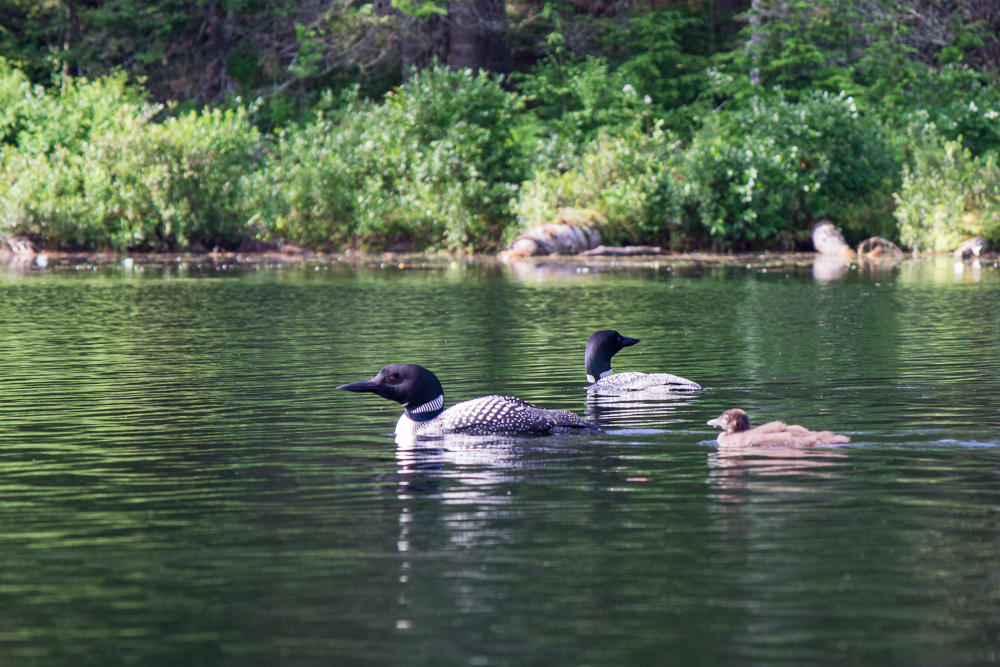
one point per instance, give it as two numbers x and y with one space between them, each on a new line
735 425
419 392
605 344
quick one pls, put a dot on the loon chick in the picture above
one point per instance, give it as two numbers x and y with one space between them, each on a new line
605 344
420 393
735 425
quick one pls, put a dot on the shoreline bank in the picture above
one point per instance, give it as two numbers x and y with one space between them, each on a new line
404 260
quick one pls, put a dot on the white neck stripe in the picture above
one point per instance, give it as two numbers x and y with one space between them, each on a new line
430 406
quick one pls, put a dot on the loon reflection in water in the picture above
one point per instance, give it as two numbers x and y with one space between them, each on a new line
419 392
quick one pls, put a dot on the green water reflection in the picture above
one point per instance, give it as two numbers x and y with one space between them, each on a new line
180 484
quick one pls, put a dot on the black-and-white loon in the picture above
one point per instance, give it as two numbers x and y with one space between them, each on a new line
605 344
419 392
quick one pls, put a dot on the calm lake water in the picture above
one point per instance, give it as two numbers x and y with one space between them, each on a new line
181 485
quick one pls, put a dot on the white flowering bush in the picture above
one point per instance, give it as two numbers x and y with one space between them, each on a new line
768 172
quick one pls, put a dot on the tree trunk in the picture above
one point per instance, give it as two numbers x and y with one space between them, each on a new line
724 21
479 36
222 29
753 46
472 36
71 37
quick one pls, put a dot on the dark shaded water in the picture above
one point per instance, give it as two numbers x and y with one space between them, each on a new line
180 484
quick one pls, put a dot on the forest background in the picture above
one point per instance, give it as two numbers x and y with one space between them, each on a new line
423 124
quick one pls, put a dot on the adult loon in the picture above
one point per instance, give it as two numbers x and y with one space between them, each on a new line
605 344
419 392
735 425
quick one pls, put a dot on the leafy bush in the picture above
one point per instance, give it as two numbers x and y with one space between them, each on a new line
616 176
306 192
16 95
947 194
665 55
437 163
958 101
169 184
575 100
71 115
91 169
767 172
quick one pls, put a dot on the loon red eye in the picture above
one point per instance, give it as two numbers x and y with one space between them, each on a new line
393 379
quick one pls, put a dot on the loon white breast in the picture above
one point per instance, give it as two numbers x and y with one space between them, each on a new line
605 344
419 392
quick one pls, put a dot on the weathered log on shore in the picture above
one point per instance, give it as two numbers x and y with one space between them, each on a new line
573 232
879 247
623 251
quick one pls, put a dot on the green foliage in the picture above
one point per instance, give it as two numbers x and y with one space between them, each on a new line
306 191
766 173
16 96
575 100
664 56
957 100
436 163
421 8
947 194
439 159
91 169
616 176
792 47
877 52
612 113
175 182
77 111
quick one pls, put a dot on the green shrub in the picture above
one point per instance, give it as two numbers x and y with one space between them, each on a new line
306 192
43 190
91 169
575 100
16 95
766 173
173 183
437 163
958 101
947 194
41 197
80 109
616 176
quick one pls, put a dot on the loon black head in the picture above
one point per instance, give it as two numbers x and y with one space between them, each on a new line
600 348
414 387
